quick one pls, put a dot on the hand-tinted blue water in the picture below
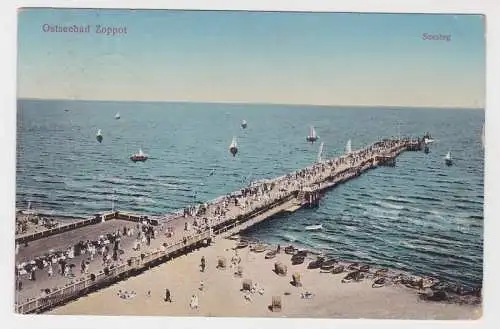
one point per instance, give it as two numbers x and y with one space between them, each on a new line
420 216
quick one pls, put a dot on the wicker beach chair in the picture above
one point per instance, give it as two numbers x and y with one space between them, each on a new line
276 304
280 268
296 280
247 285
222 262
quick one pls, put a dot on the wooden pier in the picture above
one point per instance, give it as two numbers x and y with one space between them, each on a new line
289 200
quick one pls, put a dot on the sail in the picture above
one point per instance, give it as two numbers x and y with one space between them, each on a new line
117 116
99 132
448 156
348 147
233 143
312 132
320 152
140 152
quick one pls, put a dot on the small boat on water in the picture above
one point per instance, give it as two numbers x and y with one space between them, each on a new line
315 227
99 136
312 137
244 124
141 157
233 148
117 116
447 159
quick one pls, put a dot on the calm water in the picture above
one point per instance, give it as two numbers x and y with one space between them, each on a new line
420 216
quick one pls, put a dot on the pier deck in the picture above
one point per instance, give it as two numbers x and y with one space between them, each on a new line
283 194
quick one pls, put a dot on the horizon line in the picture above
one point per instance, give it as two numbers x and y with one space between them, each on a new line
256 103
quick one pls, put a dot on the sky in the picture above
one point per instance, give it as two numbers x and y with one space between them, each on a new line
255 57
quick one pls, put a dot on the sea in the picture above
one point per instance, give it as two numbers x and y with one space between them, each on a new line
419 216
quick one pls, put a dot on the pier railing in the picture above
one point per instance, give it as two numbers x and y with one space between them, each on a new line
92 282
64 228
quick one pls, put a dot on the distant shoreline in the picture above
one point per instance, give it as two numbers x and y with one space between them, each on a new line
242 103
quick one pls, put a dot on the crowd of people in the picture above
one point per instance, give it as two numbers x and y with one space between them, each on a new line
263 193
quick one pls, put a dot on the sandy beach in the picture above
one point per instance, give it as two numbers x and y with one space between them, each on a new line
222 295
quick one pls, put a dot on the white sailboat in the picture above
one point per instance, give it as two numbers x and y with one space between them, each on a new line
141 156
348 148
233 148
117 116
447 159
99 136
320 152
312 137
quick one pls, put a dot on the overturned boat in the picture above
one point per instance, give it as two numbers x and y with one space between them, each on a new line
99 136
139 157
312 137
233 148
244 124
